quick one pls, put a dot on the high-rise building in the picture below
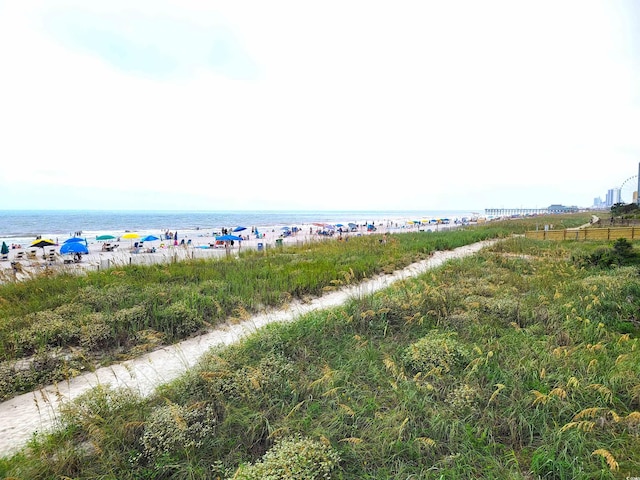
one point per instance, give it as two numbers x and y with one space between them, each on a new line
637 194
613 197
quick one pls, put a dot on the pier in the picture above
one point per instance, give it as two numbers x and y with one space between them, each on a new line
519 212
508 212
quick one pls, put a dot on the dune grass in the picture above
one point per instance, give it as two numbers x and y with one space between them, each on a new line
53 327
518 362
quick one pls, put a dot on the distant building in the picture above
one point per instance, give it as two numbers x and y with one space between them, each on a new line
561 209
613 197
598 203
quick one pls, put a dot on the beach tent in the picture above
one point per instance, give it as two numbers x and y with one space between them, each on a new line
5 249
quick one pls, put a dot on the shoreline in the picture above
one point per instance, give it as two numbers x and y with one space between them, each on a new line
27 261
23 226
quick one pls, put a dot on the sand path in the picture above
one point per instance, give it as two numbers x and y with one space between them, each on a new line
26 414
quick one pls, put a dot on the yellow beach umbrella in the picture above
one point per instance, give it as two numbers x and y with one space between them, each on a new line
43 242
130 236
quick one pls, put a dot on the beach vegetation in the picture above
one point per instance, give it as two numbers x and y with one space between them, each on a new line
516 362
54 327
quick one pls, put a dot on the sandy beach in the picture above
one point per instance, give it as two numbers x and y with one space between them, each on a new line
24 262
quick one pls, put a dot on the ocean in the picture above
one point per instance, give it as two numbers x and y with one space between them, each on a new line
23 226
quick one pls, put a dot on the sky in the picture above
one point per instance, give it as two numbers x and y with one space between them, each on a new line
333 105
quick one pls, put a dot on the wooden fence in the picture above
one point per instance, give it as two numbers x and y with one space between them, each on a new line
599 234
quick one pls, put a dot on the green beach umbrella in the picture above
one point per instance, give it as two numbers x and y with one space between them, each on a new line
4 250
105 237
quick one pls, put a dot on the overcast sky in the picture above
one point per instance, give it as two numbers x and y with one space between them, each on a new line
210 105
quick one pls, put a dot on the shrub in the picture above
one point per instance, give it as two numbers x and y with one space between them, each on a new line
131 319
620 254
48 329
436 351
463 399
96 334
179 319
296 457
263 384
104 298
98 404
174 429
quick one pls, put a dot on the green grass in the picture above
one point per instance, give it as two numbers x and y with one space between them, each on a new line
514 363
54 327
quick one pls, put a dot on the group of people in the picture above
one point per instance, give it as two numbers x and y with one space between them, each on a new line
169 235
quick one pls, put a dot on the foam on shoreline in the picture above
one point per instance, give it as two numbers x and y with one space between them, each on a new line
196 245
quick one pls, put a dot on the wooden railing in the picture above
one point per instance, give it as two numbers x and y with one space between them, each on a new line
613 233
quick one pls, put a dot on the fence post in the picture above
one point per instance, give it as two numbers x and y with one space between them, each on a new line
608 233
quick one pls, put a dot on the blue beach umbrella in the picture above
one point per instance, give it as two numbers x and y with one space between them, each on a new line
75 240
239 228
228 238
149 238
73 247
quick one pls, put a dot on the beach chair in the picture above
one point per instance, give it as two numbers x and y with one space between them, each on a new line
31 254
20 255
4 257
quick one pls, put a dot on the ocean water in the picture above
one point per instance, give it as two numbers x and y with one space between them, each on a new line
22 226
